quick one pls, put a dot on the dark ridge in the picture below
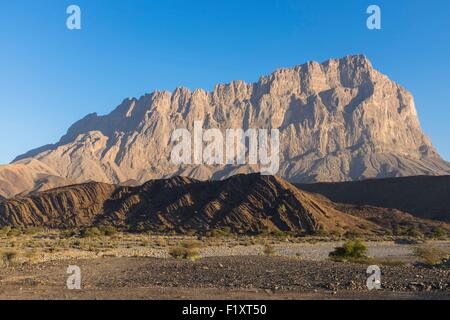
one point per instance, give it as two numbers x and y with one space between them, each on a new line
242 204
422 196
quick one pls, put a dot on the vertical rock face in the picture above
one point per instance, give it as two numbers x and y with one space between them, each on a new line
340 120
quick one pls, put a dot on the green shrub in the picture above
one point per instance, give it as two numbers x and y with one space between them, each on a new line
352 250
438 232
431 256
414 232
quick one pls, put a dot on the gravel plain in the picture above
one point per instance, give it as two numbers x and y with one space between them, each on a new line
228 271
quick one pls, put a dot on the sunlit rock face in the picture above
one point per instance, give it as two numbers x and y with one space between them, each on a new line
340 120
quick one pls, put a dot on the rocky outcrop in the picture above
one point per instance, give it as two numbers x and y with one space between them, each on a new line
243 203
72 206
341 120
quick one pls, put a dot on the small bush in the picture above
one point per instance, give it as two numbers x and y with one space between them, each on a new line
414 232
352 250
108 230
178 253
430 255
8 257
187 250
320 233
280 234
90 232
191 244
98 231
68 233
268 250
438 232
221 232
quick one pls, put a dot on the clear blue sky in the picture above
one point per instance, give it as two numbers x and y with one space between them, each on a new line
51 77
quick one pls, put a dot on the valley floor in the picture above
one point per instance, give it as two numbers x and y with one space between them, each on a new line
255 277
126 266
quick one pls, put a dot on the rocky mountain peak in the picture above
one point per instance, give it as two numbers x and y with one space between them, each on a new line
338 120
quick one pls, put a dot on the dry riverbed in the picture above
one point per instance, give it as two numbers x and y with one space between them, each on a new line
129 266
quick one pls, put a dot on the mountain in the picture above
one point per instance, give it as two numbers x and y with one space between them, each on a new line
341 120
423 197
27 176
248 204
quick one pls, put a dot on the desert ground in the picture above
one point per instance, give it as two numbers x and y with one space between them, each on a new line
132 266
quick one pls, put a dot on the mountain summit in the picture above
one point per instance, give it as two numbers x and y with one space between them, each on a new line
341 120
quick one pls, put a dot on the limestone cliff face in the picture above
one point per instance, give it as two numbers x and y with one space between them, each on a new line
340 120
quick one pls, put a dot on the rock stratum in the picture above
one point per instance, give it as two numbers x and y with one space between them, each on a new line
341 120
244 204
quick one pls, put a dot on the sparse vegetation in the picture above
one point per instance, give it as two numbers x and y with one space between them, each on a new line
108 230
186 250
8 257
439 232
431 256
320 233
414 232
352 250
384 262
280 234
90 232
98 231
220 232
4 231
269 250
33 230
10 232
68 233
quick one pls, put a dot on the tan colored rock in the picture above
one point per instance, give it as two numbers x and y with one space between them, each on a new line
27 176
340 120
